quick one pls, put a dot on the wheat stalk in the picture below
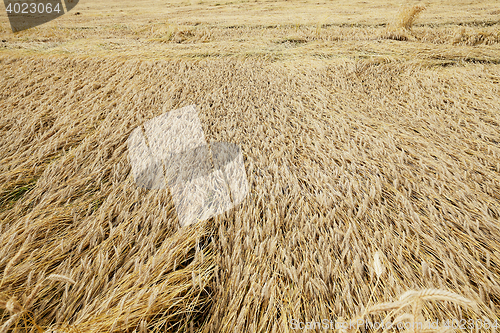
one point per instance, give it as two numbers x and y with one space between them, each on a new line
60 278
5 327
434 294
408 15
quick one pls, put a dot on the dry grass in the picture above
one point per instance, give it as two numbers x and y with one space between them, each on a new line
375 175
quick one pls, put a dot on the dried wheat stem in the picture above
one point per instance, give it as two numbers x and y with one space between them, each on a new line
60 278
5 327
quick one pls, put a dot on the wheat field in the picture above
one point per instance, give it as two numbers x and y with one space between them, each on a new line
371 139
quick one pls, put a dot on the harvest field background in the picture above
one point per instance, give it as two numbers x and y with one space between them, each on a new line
370 132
